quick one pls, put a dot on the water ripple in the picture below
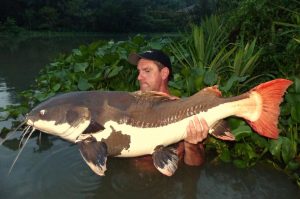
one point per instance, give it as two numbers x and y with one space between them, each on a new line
63 172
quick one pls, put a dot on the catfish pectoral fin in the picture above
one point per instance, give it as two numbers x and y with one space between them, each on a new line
165 159
221 131
95 154
93 127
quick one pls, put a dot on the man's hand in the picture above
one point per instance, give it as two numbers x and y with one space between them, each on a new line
196 131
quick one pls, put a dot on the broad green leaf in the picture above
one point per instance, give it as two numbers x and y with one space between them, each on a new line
210 78
245 150
84 85
293 98
198 81
235 122
175 85
295 112
287 150
155 45
175 92
80 67
260 140
69 58
186 72
138 39
232 80
96 76
56 87
240 163
239 128
77 52
297 84
225 155
242 132
55 64
40 96
275 147
293 165
100 52
115 71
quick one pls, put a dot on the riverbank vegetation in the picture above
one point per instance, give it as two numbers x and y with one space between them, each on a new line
123 16
243 44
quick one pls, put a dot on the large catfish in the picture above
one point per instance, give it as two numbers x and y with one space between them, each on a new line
127 124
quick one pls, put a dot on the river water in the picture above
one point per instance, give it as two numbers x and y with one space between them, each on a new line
52 168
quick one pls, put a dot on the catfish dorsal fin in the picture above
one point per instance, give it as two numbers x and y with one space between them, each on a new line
212 90
154 95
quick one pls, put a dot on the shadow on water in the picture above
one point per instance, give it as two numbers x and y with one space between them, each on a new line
55 169
60 172
21 61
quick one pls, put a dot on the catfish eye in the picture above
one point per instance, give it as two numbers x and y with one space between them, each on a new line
42 112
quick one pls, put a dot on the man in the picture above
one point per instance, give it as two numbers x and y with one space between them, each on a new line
155 71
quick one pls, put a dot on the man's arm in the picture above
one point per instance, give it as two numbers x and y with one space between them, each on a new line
197 131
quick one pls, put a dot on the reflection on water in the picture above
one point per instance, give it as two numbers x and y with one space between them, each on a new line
53 168
67 166
4 93
259 182
61 172
21 61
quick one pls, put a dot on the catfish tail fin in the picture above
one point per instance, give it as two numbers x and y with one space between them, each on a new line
271 94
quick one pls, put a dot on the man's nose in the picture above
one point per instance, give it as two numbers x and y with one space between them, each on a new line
140 76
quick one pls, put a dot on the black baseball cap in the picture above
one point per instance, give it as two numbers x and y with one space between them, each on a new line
154 55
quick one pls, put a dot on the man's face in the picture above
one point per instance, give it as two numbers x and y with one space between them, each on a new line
150 77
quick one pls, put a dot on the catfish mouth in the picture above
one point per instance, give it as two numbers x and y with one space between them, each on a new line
68 126
34 122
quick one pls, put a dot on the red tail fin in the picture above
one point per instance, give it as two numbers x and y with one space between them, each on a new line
271 94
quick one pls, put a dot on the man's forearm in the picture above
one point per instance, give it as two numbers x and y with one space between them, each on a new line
194 154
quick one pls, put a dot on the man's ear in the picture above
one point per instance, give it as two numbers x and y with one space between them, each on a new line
165 73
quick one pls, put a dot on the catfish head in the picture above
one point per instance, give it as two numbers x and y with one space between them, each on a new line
60 118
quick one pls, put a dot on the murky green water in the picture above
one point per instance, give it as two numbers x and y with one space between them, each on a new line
52 168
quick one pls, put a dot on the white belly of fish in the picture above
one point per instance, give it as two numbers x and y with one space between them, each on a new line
143 141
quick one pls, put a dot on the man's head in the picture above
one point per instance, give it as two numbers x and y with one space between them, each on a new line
154 68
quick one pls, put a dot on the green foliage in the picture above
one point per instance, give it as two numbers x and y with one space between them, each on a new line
49 17
101 65
199 56
206 56
285 35
234 67
85 69
275 25
103 16
242 66
10 27
244 59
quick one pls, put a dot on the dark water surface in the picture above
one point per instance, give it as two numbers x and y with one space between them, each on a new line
55 169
